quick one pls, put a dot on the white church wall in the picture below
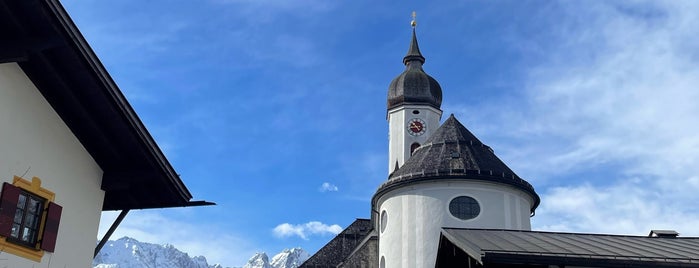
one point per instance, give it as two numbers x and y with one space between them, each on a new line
35 142
417 213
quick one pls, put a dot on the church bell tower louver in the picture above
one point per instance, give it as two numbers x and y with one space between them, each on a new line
413 107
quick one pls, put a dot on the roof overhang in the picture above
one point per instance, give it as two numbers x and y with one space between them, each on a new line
486 247
40 36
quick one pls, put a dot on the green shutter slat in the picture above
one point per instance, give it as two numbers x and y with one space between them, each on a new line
53 218
8 206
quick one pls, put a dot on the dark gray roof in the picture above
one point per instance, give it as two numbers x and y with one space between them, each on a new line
453 152
414 86
340 247
41 38
531 247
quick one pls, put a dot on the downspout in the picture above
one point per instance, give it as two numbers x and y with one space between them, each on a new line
111 230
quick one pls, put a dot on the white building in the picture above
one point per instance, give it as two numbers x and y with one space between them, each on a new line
449 201
70 144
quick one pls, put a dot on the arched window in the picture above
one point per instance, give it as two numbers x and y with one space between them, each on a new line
413 146
384 220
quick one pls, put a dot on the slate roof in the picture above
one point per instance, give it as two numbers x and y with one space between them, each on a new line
43 40
453 152
340 247
532 247
414 86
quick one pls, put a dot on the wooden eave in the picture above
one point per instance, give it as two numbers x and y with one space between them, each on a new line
40 36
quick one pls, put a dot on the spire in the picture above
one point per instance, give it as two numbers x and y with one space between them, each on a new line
414 86
414 50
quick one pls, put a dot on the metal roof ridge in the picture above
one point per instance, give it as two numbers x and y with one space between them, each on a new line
569 233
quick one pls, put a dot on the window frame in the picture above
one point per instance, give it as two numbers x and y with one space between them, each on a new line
383 220
47 231
471 202
414 147
39 219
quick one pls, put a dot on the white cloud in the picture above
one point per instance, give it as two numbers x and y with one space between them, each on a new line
328 187
629 207
635 102
615 104
306 229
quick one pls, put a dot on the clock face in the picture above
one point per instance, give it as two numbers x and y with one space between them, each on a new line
416 127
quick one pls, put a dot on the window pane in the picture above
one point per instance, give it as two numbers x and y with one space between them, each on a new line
33 206
22 200
30 221
39 207
25 234
15 230
18 216
464 207
31 236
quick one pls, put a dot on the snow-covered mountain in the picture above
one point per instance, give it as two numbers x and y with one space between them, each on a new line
288 258
130 253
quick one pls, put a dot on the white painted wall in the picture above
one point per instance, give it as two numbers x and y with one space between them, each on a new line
34 140
399 140
417 213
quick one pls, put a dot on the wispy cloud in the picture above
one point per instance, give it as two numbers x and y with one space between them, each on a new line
627 207
306 229
621 101
328 187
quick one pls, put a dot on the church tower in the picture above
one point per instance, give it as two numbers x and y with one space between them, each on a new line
439 176
414 100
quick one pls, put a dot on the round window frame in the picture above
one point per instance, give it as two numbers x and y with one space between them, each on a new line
480 208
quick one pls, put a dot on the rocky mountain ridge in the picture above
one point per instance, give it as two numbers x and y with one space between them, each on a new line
127 252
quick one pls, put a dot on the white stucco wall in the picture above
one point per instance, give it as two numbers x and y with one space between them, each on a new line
34 140
417 213
399 140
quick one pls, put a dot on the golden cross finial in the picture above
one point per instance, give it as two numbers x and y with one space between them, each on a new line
414 22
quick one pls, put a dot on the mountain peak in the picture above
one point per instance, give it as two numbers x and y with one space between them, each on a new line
290 258
129 252
259 260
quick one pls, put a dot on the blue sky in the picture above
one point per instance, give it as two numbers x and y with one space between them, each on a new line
275 109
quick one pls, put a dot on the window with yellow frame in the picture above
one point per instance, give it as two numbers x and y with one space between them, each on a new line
28 219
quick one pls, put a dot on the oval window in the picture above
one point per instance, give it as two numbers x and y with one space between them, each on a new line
384 220
464 207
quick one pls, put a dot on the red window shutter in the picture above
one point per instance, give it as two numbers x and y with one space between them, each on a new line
8 207
53 217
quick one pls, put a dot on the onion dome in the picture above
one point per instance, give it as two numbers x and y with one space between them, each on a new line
414 86
453 152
